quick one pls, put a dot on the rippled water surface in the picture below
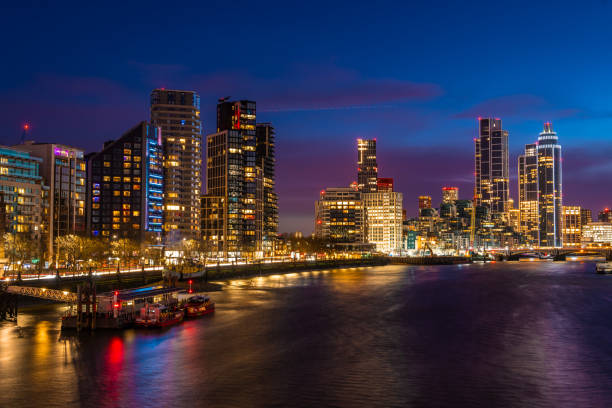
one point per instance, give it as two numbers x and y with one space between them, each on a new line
492 335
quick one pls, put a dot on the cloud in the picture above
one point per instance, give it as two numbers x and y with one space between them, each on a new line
525 106
317 88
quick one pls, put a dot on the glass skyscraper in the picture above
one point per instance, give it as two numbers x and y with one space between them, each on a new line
491 166
549 188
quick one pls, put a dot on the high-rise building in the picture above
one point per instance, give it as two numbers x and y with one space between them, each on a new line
21 193
340 215
605 215
266 161
233 204
177 113
549 188
528 194
586 216
572 226
125 185
491 165
384 220
63 170
424 202
450 194
384 184
367 166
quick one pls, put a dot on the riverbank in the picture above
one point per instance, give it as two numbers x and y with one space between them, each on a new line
430 260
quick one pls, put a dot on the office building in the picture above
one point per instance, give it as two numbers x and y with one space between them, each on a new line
384 220
232 217
21 194
528 194
586 216
424 203
265 159
605 215
450 194
549 188
384 184
367 166
340 215
63 170
177 114
572 226
597 234
125 185
491 166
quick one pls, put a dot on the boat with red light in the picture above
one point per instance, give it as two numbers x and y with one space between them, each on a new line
157 316
199 306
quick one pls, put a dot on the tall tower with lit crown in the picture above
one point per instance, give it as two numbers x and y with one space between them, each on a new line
549 188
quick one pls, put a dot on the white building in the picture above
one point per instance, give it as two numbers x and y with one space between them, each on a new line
597 234
384 220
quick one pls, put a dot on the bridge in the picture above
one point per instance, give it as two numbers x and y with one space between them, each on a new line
556 253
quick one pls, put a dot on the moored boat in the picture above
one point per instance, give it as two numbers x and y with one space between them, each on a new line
604 267
199 306
158 315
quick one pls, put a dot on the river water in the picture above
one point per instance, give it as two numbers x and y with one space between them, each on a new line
489 335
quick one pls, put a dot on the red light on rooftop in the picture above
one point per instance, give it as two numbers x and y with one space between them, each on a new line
190 281
322 192
116 293
116 305
319 222
26 126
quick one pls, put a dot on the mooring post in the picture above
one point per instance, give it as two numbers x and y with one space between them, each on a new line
79 308
95 305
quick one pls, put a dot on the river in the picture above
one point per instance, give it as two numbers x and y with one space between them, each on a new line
489 335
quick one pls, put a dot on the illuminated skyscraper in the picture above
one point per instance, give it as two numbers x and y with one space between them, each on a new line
528 194
125 185
367 167
491 165
232 217
177 113
269 199
450 194
424 202
549 188
586 216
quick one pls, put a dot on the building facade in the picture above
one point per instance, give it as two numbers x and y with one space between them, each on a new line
572 226
177 114
491 165
340 215
384 220
265 159
450 195
125 185
528 194
21 194
63 170
597 234
367 166
233 220
549 189
586 216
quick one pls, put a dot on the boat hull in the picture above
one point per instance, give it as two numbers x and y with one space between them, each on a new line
197 311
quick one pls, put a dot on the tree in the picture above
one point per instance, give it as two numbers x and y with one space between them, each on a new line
17 247
125 249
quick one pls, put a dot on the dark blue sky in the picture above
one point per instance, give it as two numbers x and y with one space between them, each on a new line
414 75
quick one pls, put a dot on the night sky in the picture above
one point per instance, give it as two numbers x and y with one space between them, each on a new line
415 76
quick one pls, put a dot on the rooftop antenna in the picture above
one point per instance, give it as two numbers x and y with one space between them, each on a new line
26 127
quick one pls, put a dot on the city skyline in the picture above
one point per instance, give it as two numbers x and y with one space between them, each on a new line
421 111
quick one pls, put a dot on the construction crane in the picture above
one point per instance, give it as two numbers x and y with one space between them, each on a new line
473 222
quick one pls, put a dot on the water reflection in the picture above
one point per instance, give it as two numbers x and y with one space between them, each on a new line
477 335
